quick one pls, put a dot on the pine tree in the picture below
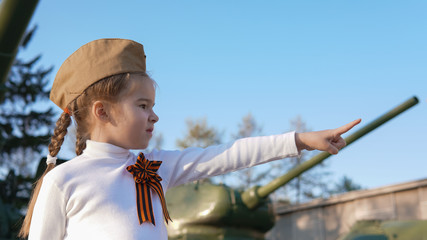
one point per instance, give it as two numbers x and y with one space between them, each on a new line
25 125
25 130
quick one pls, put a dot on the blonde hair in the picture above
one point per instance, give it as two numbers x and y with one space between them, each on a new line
110 89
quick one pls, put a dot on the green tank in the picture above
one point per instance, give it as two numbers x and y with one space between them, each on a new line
387 230
217 212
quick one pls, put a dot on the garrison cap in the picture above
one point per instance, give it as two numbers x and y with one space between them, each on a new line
92 62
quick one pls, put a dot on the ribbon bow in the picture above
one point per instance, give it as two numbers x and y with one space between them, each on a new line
145 175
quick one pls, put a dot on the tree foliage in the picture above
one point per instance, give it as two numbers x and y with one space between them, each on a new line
199 134
247 128
345 185
25 130
25 125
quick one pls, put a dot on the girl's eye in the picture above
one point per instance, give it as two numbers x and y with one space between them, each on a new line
143 106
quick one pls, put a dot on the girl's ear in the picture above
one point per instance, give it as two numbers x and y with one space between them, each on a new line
99 111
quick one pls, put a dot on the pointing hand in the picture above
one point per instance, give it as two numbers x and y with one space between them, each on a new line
327 140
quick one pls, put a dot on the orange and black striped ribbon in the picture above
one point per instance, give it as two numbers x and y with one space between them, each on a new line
145 175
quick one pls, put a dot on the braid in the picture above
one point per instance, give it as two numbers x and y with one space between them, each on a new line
54 147
80 115
59 133
80 144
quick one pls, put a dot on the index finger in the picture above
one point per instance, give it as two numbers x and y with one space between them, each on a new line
348 126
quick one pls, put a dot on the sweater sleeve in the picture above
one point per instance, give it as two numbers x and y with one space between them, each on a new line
49 216
197 163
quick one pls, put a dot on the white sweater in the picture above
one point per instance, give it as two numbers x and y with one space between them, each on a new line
93 195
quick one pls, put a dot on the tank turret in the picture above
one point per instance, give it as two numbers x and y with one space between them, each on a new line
208 211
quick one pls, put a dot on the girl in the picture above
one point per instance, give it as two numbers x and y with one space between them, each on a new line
107 192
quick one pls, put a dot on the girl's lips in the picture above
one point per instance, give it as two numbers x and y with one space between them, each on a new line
150 130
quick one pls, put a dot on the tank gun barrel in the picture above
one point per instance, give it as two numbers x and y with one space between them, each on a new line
14 18
254 196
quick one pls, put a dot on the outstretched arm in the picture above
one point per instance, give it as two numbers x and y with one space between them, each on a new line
327 140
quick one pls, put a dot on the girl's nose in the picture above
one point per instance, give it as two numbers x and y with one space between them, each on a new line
154 117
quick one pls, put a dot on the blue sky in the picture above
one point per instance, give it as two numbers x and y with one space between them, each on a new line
328 61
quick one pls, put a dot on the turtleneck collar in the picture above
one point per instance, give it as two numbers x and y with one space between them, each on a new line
105 150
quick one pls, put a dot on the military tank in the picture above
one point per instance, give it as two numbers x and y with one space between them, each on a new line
387 230
218 212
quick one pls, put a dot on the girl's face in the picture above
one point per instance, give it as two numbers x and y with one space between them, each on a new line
133 118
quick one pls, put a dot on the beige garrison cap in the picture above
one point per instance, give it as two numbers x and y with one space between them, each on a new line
92 62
